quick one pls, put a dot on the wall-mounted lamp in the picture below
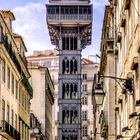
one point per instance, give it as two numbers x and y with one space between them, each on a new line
98 94
128 83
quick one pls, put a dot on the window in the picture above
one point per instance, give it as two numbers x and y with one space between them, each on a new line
3 70
69 43
84 76
25 103
20 95
8 115
12 117
22 130
12 83
16 89
84 131
3 110
23 99
57 63
47 64
136 11
84 100
16 121
8 77
84 115
84 87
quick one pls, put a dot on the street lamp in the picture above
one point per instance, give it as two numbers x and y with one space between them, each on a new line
98 94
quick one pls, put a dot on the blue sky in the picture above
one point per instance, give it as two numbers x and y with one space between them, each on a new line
31 23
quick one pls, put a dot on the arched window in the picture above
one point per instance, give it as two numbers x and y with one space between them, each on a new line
74 93
63 66
71 89
71 116
67 94
71 66
75 87
71 43
67 43
67 66
63 43
75 43
63 91
63 116
75 66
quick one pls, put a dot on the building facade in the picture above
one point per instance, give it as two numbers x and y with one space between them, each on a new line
126 57
50 59
106 127
69 24
15 89
127 43
35 128
43 100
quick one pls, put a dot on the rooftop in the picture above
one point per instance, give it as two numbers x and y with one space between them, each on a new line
7 14
53 53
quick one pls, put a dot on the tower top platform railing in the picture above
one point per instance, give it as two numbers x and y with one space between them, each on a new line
69 1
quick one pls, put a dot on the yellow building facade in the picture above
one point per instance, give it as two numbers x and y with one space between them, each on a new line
127 42
126 68
15 90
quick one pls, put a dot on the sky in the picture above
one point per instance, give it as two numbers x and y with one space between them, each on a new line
31 24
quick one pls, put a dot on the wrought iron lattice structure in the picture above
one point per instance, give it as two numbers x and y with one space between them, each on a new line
70 25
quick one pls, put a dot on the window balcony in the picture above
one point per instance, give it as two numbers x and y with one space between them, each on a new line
8 131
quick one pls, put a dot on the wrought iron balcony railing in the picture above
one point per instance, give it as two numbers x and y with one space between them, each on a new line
69 17
7 129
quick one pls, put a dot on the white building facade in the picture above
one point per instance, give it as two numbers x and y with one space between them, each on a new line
50 59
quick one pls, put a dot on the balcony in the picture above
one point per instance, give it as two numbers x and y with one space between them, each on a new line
103 123
8 131
69 15
69 18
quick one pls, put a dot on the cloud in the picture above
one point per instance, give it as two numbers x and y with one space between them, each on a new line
31 24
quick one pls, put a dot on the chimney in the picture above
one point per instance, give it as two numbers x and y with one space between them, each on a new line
8 17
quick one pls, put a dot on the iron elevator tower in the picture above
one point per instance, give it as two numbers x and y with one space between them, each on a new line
70 25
